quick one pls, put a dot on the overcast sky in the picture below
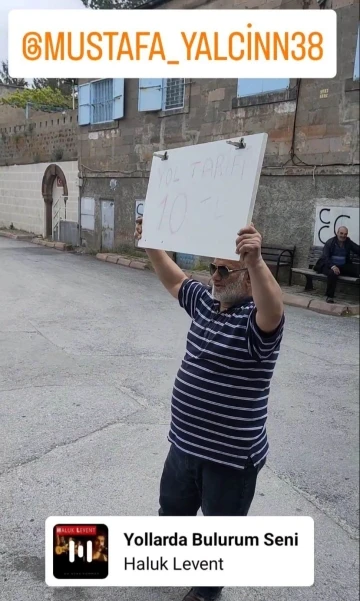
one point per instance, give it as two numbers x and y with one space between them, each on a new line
6 5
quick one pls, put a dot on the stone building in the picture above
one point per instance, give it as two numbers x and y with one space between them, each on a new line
312 156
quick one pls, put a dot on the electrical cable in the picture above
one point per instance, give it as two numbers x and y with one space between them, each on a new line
292 152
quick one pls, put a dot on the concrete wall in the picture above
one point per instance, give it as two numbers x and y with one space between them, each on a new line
285 208
319 121
21 200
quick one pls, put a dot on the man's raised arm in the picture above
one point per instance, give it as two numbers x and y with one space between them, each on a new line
266 291
169 274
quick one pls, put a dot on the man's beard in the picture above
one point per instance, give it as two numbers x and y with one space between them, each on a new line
232 293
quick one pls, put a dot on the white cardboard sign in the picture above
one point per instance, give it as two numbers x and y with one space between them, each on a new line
200 196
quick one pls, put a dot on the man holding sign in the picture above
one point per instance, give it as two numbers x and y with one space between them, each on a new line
219 402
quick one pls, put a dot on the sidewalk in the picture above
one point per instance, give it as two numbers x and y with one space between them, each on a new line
294 296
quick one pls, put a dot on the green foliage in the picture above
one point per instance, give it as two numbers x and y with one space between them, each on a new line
58 154
64 85
41 99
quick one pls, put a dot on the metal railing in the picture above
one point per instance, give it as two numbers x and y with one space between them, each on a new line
59 213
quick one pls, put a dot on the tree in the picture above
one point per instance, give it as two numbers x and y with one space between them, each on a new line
112 4
65 86
42 99
5 78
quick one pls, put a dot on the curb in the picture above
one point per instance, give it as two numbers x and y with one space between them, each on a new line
320 306
38 241
124 261
57 245
296 301
336 309
16 236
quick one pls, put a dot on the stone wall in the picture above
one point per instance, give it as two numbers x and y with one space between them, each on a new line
42 138
285 206
316 120
8 113
251 4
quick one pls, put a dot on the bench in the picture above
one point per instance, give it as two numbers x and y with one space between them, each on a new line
310 275
279 257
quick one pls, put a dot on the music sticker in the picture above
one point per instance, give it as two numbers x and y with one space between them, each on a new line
81 551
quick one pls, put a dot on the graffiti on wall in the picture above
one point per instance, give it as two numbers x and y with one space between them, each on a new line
329 219
139 208
139 212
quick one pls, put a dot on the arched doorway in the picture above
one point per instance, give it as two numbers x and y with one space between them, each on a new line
53 174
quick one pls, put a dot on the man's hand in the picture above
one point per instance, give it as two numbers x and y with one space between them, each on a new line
248 246
266 292
138 229
336 270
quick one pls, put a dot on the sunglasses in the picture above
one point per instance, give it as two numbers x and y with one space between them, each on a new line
222 270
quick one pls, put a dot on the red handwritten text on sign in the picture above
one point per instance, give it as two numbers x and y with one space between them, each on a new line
176 218
175 204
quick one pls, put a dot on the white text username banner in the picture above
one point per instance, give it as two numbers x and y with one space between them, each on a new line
174 43
181 551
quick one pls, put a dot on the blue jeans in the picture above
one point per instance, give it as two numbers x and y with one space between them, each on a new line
188 483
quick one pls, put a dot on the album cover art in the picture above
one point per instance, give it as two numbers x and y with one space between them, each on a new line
81 551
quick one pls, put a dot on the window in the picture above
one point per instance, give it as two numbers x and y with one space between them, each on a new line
174 93
101 101
157 94
250 87
357 53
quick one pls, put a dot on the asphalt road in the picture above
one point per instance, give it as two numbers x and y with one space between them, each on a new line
88 353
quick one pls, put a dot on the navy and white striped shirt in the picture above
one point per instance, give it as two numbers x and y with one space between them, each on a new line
220 395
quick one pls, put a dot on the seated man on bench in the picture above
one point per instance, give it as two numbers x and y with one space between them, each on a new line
336 260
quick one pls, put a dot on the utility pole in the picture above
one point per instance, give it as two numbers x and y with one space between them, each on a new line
27 110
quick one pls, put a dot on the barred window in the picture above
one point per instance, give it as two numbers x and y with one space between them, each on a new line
174 93
102 101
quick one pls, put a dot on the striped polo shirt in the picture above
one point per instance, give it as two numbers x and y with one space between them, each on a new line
220 395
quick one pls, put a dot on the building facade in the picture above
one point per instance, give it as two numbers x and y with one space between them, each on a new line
312 156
